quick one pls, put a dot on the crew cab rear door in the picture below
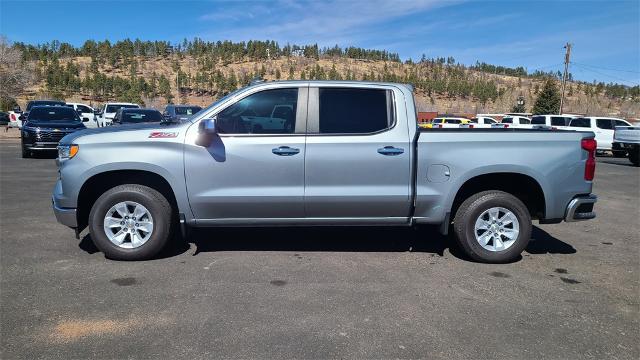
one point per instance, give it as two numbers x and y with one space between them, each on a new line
358 155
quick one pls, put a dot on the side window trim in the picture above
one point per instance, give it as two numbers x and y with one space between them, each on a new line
301 110
313 118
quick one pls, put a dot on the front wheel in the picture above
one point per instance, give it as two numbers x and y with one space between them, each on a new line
492 226
25 152
634 156
619 153
130 222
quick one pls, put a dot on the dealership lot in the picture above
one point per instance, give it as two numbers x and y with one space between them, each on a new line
320 292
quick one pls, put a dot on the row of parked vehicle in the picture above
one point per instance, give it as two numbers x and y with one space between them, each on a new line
603 127
45 122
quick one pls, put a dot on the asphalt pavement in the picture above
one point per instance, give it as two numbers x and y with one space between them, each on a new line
318 292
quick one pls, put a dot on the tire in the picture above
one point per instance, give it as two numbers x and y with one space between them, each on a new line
619 154
151 200
634 156
25 153
478 205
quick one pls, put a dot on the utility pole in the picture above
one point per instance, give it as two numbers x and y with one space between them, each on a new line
567 57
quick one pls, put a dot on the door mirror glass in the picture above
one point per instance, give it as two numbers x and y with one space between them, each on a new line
208 126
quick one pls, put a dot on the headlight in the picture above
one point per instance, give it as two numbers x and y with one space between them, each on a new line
66 152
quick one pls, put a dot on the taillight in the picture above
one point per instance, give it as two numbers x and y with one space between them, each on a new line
13 117
471 126
439 126
590 145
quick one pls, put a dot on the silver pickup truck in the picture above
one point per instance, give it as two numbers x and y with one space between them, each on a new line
334 153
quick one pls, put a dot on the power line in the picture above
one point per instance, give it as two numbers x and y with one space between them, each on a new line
604 68
607 75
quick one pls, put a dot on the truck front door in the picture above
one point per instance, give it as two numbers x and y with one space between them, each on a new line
358 155
250 170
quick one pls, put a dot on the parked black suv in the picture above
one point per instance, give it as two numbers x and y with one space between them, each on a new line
45 126
176 113
134 116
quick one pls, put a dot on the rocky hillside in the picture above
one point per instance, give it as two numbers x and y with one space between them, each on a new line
199 77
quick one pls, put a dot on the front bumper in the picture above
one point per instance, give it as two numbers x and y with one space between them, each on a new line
42 146
65 216
581 208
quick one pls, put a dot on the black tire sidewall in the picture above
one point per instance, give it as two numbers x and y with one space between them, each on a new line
143 196
476 208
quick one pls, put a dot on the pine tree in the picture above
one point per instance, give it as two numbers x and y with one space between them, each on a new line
548 101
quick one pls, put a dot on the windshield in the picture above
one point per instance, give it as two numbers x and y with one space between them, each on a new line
53 113
141 116
44 103
187 110
115 108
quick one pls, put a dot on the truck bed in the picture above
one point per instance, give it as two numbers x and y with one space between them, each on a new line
447 158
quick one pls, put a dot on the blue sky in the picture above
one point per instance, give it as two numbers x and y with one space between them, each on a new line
605 34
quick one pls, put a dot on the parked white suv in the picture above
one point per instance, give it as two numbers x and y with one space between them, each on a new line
105 117
557 121
86 113
517 121
603 127
483 122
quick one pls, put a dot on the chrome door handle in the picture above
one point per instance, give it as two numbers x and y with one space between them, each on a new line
285 151
390 151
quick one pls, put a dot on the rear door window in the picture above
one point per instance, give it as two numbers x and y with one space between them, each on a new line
559 121
604 124
355 111
581 122
539 120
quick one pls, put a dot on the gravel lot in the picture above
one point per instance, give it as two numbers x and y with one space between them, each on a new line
318 293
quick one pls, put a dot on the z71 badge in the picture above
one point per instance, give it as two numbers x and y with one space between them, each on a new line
163 135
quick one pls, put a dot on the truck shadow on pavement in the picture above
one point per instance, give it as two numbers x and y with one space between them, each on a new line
335 239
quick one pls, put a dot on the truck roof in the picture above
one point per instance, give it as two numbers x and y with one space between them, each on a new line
332 82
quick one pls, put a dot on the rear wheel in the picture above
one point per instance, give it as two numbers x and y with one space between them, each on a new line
492 226
130 222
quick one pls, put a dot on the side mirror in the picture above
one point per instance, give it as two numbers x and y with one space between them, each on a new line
208 126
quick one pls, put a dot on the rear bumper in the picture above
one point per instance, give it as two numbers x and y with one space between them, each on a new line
65 216
581 208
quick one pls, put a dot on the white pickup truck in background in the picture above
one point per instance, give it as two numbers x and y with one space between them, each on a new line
627 139
86 113
109 110
603 127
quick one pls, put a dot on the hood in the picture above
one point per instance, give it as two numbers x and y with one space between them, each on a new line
120 128
59 124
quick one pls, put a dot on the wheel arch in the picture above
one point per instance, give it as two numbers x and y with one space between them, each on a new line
99 183
523 186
